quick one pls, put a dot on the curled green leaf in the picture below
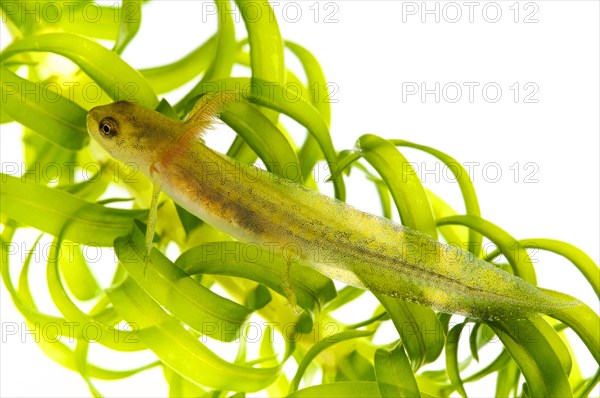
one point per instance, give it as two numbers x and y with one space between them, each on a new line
313 290
321 346
406 189
179 349
47 112
394 373
197 306
130 15
78 220
120 81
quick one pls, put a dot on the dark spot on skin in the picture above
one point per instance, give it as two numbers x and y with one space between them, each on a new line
246 218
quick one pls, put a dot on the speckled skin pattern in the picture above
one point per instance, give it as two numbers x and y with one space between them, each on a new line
342 242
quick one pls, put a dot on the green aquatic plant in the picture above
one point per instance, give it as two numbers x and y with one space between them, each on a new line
171 305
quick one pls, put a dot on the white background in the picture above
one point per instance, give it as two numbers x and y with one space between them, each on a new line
370 50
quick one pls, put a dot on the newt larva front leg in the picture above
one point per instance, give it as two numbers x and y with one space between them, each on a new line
330 236
152 218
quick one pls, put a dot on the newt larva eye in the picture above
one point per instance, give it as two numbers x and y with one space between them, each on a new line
108 127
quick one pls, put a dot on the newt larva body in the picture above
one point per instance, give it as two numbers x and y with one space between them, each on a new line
328 235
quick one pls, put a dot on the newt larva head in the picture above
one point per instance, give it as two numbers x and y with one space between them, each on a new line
132 133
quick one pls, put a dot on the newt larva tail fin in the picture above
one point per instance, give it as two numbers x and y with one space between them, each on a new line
412 266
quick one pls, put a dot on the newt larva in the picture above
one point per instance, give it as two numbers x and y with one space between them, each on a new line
336 239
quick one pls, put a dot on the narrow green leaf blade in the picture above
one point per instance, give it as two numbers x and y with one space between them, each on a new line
226 45
168 77
536 357
405 187
312 289
454 234
464 182
583 320
516 255
51 115
266 44
106 335
419 329
79 221
179 349
394 373
318 87
347 389
189 221
119 80
258 297
76 272
452 365
187 299
583 262
130 14
321 346
264 138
